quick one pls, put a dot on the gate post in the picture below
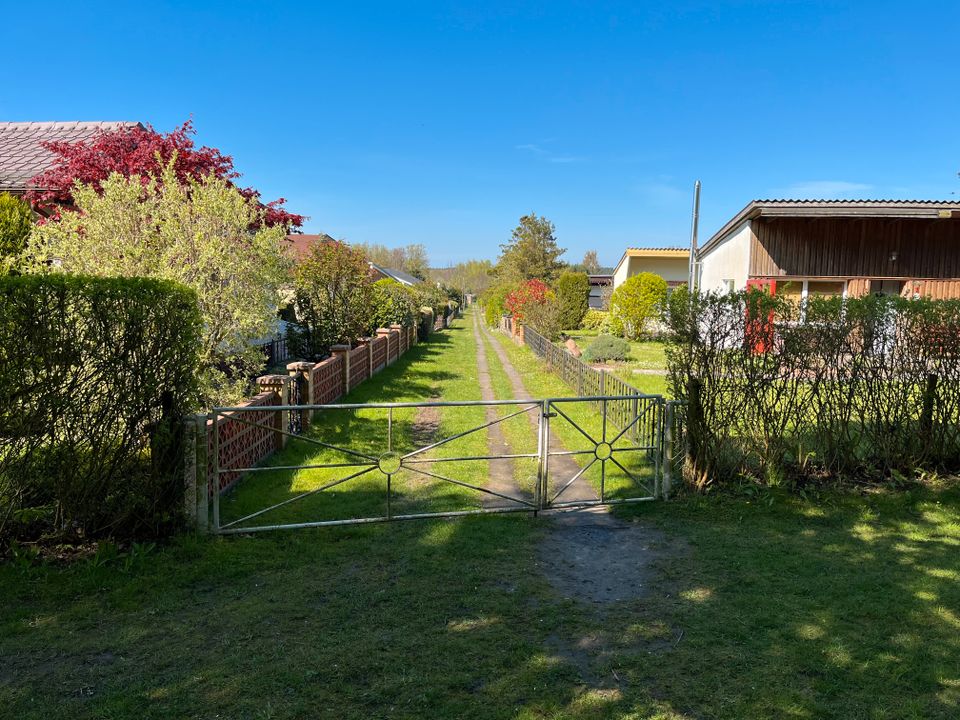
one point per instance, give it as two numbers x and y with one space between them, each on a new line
666 462
302 372
538 494
279 384
344 352
196 480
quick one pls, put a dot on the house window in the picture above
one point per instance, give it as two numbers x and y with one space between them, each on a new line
825 288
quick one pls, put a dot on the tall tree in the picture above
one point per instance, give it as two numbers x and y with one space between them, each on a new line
411 258
590 262
142 152
532 252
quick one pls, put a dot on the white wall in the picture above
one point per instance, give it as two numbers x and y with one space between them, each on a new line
730 260
671 269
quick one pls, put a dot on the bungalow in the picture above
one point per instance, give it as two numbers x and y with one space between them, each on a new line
837 247
670 263
22 157
385 273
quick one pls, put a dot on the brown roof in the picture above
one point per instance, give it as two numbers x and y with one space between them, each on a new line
836 208
303 244
21 155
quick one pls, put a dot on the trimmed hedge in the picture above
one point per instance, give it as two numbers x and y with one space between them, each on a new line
95 375
854 390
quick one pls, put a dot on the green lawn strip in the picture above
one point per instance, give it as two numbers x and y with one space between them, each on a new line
542 383
425 372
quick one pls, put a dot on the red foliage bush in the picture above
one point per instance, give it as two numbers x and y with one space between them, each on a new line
531 292
140 151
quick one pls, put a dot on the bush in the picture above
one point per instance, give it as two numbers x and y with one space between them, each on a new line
390 303
596 320
607 347
333 288
573 298
494 304
16 221
546 318
95 375
850 390
636 303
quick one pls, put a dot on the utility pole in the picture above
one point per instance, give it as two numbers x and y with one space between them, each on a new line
695 224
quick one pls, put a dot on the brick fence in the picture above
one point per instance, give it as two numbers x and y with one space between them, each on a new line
240 444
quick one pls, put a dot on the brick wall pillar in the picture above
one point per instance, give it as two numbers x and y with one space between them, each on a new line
302 372
279 384
344 352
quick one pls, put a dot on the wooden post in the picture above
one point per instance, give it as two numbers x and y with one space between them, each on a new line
667 460
929 398
344 352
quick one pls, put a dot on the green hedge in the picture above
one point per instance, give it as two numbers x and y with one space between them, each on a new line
607 347
95 375
854 390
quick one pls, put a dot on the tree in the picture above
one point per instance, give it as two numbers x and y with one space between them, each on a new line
472 276
590 262
635 303
391 302
197 233
531 253
16 222
333 288
411 259
573 298
142 152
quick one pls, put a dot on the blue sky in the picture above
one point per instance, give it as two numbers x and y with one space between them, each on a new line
442 123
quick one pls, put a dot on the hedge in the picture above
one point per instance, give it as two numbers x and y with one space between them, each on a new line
856 390
95 375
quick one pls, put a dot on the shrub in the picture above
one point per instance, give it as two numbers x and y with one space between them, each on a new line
607 347
95 375
390 302
333 288
197 233
636 303
596 320
529 292
16 221
546 318
494 304
849 390
573 298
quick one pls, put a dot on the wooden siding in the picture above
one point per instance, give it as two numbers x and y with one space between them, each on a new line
856 247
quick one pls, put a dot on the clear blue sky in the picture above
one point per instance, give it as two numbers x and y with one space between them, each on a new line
442 123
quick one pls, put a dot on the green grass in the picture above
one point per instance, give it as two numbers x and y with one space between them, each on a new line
644 355
765 606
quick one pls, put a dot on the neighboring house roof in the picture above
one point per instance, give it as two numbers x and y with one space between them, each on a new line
654 252
600 279
22 157
398 275
837 208
303 243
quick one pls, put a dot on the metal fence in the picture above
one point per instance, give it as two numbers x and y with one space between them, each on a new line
362 463
275 351
634 409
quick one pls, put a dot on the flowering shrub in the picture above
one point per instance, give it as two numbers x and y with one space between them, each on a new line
530 292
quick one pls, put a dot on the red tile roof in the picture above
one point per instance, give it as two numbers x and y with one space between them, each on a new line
21 155
303 244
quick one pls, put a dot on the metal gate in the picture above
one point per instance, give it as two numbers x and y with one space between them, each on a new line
374 462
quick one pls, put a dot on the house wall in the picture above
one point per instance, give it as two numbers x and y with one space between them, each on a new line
672 269
856 247
729 260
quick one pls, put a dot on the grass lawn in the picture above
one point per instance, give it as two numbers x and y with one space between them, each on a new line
644 355
766 606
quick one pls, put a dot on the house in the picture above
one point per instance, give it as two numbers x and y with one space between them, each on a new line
670 263
22 157
837 247
303 243
598 285
392 274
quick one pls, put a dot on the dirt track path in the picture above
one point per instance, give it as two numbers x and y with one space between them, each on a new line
562 467
502 472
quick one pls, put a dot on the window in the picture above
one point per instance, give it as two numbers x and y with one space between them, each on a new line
728 285
825 288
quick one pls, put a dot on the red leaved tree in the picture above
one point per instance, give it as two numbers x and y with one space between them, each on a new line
139 150
530 292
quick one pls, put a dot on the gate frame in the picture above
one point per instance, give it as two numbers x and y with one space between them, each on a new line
660 449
